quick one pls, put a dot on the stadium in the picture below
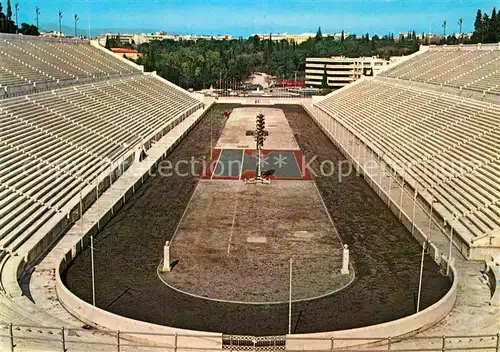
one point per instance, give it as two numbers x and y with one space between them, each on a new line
134 216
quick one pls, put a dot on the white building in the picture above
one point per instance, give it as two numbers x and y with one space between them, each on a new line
149 37
297 38
340 70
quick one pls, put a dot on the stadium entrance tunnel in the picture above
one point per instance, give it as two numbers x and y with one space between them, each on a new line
129 249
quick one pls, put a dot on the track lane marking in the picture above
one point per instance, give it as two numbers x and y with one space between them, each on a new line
242 161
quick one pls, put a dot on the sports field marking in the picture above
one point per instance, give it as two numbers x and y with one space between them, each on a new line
183 215
242 161
232 226
328 214
302 172
215 165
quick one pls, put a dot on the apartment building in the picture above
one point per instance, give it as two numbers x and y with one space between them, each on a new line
340 70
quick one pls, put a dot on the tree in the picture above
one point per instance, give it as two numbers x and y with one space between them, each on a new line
324 81
9 17
106 45
485 35
478 27
202 63
493 28
6 24
342 36
496 24
9 10
28 29
444 28
319 35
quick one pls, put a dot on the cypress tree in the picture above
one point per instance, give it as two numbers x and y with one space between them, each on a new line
485 33
478 27
494 26
319 35
324 81
9 10
106 45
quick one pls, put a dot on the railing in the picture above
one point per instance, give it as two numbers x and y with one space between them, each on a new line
253 343
416 343
21 337
41 86
31 38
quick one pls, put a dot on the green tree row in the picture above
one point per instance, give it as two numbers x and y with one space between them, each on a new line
486 28
202 63
7 25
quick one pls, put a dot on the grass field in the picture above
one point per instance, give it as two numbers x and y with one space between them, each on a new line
385 256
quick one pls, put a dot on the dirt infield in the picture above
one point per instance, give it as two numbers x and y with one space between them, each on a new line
129 249
235 241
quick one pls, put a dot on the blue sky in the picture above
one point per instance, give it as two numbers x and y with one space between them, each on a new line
246 17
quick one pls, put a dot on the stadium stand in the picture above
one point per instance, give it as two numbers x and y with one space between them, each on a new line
36 64
57 139
473 67
56 142
444 145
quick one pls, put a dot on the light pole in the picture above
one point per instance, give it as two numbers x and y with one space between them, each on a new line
429 229
415 196
451 246
424 245
92 265
211 153
16 6
76 20
88 3
290 301
60 15
37 15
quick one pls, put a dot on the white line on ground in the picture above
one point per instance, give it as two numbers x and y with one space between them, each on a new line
217 163
327 213
242 161
232 227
